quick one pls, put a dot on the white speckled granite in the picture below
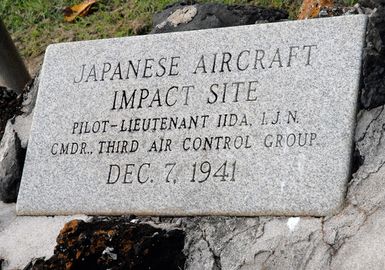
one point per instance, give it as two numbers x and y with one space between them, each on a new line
308 71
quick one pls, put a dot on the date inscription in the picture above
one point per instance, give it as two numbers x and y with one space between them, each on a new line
147 173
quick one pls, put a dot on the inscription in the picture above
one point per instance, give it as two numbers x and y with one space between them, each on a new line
222 62
146 173
230 92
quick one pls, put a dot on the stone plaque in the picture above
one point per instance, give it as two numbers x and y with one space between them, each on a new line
251 120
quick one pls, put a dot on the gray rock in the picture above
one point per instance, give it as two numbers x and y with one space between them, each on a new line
364 250
190 16
13 146
23 120
11 165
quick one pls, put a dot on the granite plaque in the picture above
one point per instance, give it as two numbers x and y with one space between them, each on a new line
250 120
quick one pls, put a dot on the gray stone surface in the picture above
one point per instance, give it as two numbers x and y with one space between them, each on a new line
316 93
23 120
14 144
11 165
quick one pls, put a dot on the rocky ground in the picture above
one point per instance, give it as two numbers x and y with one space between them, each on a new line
351 239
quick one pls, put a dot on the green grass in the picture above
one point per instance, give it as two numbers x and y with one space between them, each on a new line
34 24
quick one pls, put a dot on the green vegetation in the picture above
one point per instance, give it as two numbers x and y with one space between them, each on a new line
34 24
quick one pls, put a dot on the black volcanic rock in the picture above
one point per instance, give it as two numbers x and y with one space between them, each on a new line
373 66
187 16
116 244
